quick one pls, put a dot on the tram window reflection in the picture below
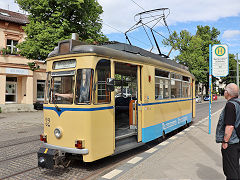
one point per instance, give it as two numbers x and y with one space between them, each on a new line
84 86
175 89
162 84
62 90
103 71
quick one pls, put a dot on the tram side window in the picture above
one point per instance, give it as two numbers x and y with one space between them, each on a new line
186 86
176 86
83 86
103 72
162 84
47 88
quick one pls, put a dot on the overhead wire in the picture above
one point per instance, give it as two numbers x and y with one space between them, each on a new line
165 23
124 33
164 19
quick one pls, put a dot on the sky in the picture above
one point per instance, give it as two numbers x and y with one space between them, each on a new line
118 17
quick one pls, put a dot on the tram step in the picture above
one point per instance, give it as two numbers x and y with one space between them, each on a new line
125 135
126 147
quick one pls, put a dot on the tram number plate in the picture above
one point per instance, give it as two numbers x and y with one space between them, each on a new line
47 122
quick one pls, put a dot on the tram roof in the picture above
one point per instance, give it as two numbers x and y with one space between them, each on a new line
122 51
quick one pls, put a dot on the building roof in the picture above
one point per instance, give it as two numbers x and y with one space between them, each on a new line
14 17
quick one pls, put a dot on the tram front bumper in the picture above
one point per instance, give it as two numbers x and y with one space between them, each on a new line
66 150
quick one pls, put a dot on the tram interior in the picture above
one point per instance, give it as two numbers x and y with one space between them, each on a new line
125 95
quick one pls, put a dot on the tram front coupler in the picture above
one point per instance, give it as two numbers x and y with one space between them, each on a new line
51 158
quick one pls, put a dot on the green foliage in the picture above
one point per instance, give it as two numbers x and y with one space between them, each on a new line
194 50
231 78
33 66
0 110
54 20
5 51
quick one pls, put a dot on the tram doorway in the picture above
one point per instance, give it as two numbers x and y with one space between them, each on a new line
126 88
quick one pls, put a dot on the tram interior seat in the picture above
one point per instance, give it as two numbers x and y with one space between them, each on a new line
122 112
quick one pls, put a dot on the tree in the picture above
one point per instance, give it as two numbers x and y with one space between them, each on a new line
51 21
194 50
231 78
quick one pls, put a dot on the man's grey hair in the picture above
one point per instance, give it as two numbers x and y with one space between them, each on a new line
232 90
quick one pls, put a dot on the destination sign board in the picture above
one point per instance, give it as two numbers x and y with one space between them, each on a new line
220 60
65 64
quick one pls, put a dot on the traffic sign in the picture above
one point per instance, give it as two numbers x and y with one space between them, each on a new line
220 60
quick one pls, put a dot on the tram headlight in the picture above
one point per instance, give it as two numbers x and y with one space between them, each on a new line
57 133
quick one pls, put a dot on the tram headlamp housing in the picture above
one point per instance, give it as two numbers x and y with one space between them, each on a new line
58 133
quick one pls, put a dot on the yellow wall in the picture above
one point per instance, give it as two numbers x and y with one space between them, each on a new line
2 88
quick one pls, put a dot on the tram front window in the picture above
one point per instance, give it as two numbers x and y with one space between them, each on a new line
83 86
62 89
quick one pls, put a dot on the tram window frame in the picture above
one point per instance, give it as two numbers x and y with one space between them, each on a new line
186 84
47 88
162 79
104 73
176 78
86 95
60 92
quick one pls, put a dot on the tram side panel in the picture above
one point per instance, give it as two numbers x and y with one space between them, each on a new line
164 115
194 98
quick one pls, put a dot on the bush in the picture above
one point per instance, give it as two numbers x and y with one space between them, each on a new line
0 110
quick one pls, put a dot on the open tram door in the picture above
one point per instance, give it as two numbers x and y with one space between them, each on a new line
127 94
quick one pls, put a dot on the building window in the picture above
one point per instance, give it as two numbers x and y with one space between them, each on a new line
11 46
40 90
162 84
11 90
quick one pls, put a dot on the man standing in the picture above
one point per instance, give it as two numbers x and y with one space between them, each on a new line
226 134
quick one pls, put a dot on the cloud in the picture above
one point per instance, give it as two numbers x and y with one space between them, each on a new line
10 5
229 34
120 13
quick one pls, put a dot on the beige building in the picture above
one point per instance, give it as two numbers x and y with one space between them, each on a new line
20 87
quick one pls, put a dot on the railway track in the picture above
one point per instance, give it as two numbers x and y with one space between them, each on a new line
18 141
23 163
18 160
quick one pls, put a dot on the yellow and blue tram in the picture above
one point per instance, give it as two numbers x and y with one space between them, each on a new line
103 100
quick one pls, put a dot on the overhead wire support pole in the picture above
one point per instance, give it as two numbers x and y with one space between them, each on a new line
210 88
237 72
127 39
148 38
156 42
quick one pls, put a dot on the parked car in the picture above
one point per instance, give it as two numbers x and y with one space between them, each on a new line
198 99
214 97
38 105
206 98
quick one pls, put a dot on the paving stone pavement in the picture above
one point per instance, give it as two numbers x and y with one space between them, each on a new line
20 124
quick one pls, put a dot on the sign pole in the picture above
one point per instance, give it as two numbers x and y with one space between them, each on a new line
237 71
210 87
